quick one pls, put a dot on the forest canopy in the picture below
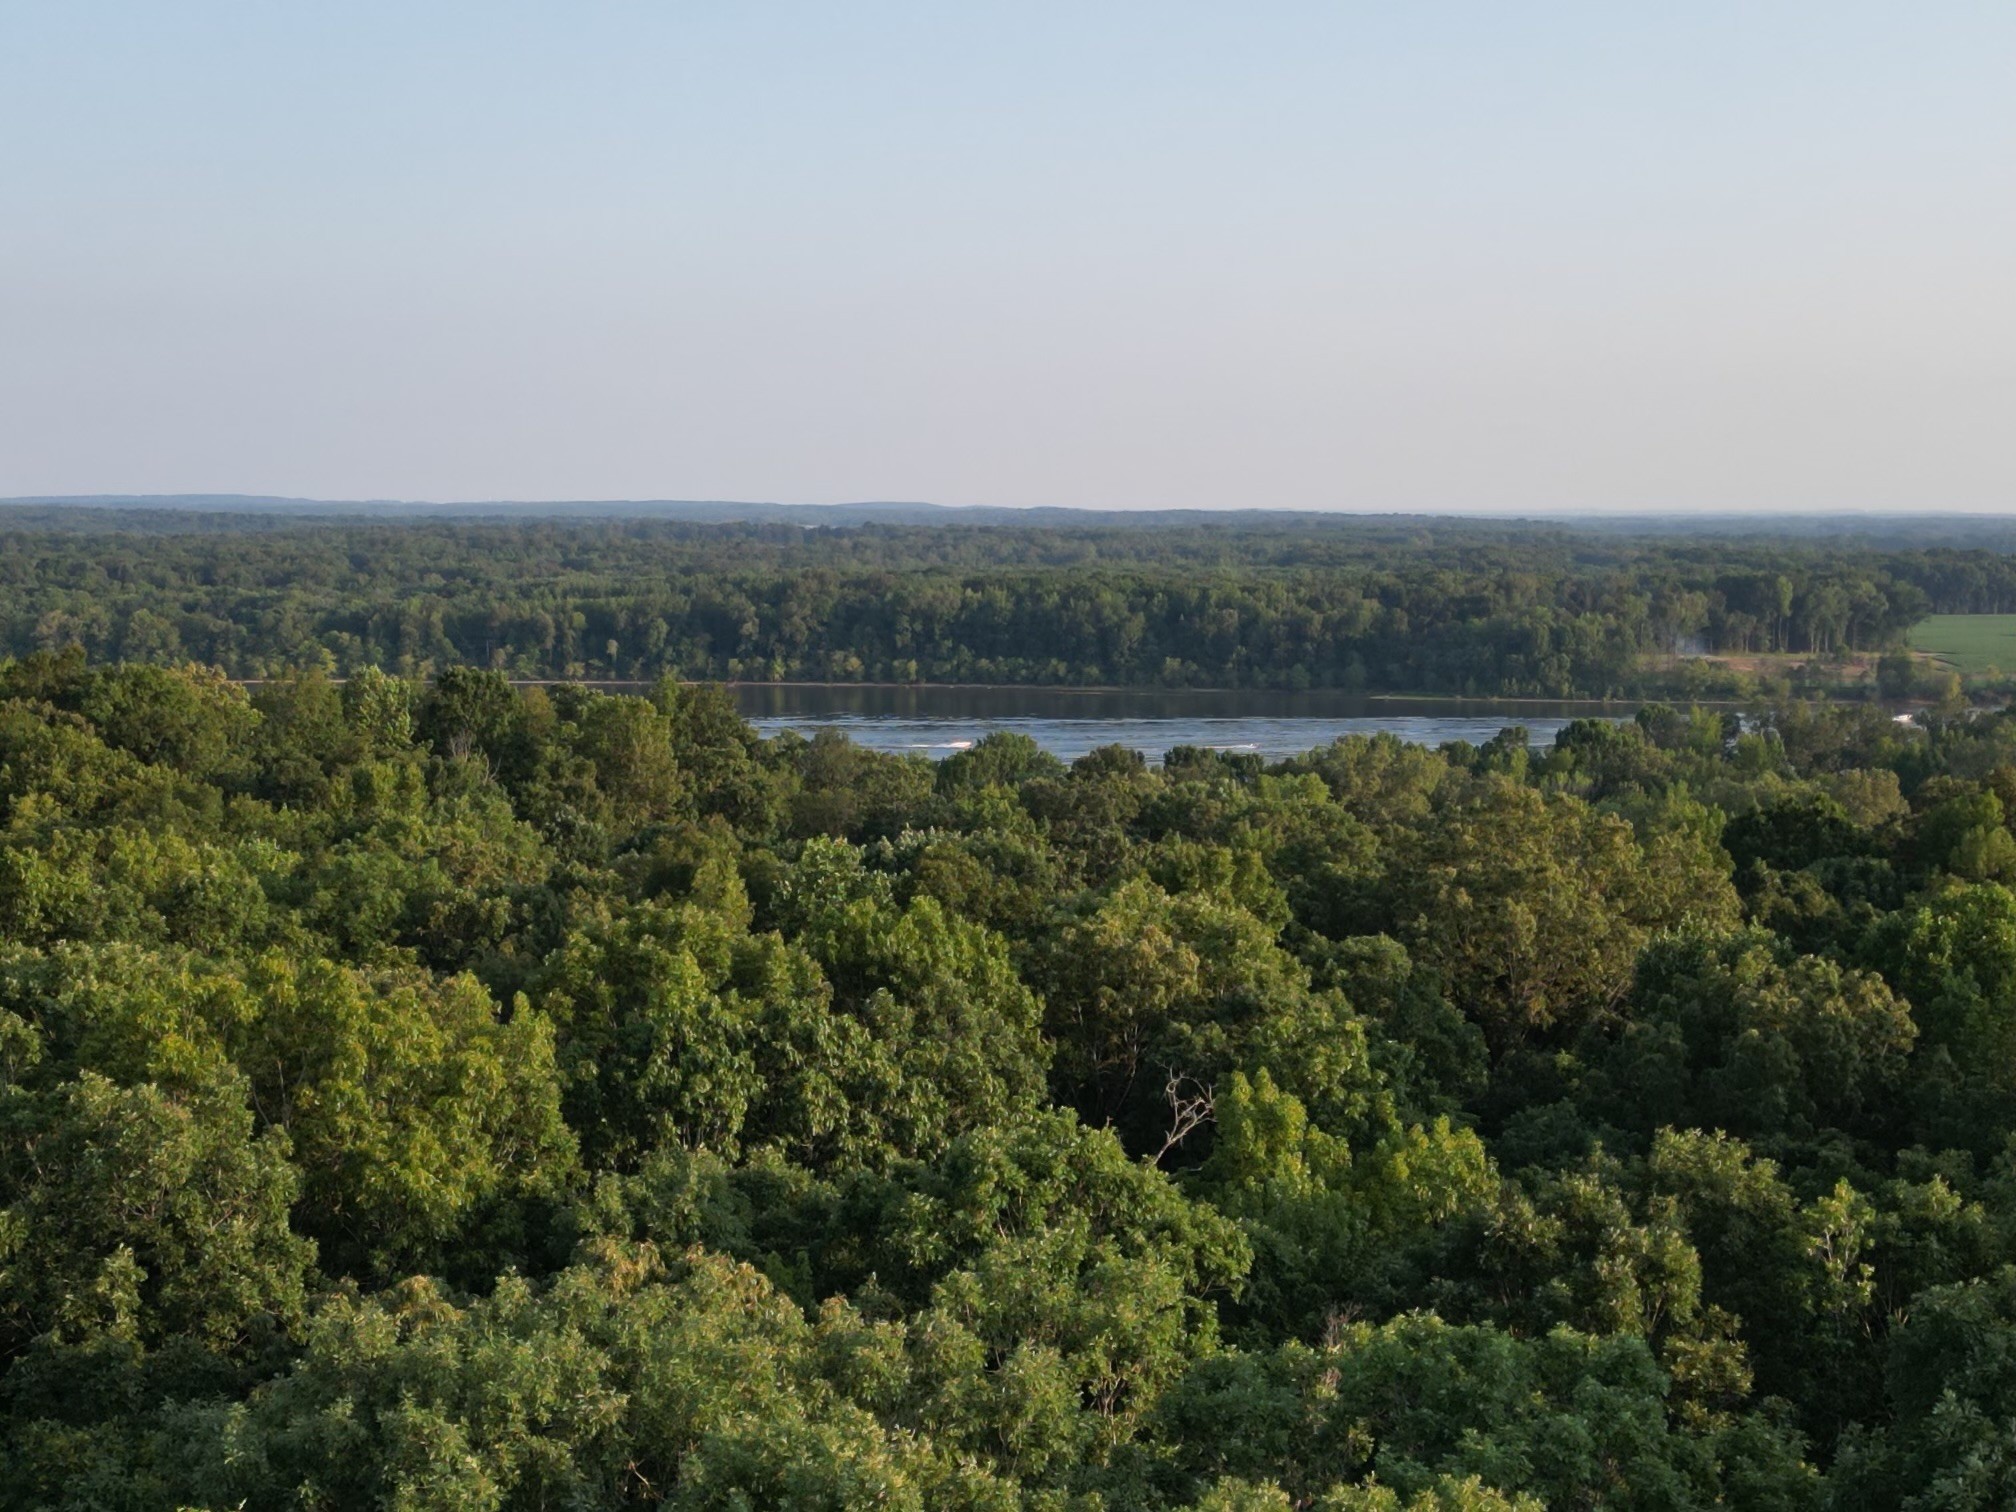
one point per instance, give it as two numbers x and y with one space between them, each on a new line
1396 605
440 1095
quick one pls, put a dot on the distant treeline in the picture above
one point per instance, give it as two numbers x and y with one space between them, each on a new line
1381 604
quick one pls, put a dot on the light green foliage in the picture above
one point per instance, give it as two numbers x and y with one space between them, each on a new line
1965 836
882 1034
1004 758
718 755
409 1102
53 764
1571 1248
1954 958
136 882
1444 1494
1380 779
956 1029
1869 798
1534 909
1969 642
434 875
191 719
1149 990
1327 1226
628 745
1005 1185
142 1215
692 1386
658 1042
379 711
438 1094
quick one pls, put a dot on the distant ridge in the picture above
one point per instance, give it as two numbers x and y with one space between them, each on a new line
1942 526
688 511
206 514
697 510
747 512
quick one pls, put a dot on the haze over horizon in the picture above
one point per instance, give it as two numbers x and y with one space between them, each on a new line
823 511
1447 259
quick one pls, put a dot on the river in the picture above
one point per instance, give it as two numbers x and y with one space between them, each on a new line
1068 722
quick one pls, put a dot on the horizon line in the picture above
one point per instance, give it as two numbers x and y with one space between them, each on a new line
254 502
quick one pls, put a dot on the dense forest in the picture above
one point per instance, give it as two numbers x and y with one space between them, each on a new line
1397 605
440 1096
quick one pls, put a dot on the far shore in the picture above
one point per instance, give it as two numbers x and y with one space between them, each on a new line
1156 690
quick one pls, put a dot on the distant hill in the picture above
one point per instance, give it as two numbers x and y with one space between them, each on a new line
1987 532
701 511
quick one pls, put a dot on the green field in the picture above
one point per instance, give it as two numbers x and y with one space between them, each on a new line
1969 643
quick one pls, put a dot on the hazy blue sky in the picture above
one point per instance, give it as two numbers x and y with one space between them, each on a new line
1394 256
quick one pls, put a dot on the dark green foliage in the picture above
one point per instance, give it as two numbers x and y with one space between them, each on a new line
1447 606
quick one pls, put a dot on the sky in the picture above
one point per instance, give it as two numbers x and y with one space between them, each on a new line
1541 257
